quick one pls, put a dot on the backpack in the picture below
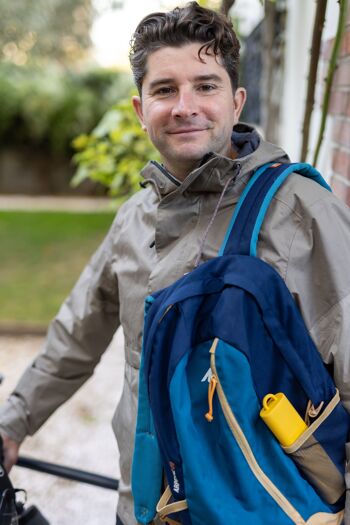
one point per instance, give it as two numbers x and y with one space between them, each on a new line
224 336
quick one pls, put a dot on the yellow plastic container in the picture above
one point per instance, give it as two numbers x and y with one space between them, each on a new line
282 418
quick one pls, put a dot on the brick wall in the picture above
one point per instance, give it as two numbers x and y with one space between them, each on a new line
340 111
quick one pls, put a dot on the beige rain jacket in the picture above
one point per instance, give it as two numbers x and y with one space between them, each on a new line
155 239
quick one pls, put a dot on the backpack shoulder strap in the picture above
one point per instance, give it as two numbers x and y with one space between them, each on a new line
242 234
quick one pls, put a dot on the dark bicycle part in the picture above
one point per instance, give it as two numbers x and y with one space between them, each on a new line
8 511
32 516
72 474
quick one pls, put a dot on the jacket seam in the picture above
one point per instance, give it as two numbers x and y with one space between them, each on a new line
296 229
326 314
292 210
278 199
290 250
308 205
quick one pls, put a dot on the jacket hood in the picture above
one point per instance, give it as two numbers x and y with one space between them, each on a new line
211 176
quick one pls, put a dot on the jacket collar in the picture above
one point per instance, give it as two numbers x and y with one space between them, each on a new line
214 171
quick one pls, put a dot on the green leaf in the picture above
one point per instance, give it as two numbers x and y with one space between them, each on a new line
116 151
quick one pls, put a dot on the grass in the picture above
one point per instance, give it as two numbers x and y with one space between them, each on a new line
42 255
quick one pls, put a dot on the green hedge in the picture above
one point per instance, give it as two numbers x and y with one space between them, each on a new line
48 108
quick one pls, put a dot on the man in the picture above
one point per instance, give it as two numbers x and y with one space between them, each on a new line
185 65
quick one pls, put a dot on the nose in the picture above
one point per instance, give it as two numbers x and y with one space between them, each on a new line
185 105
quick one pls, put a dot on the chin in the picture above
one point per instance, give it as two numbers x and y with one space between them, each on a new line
191 154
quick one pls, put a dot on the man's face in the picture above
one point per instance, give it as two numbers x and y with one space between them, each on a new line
187 106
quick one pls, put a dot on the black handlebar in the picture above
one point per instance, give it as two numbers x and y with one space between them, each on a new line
68 473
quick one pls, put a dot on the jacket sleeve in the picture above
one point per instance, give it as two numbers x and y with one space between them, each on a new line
319 278
76 339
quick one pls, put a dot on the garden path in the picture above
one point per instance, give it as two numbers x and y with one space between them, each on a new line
56 203
78 434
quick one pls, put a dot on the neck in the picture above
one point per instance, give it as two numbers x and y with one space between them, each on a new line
180 172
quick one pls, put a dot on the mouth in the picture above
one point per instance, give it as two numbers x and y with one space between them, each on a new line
183 131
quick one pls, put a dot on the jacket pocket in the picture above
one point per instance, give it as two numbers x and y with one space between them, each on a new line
312 454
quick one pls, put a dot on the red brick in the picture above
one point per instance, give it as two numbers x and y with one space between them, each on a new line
341 190
340 103
341 132
342 75
345 45
341 163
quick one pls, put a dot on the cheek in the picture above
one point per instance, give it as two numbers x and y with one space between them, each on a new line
156 114
230 115
222 111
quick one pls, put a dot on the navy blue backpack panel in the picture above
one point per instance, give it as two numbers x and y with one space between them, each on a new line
224 336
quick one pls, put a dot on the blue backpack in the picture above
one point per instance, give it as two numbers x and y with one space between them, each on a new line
227 334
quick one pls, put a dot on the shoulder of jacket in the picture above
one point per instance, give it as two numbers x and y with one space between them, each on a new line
143 197
305 197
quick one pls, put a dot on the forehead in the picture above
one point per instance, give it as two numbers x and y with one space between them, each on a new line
176 62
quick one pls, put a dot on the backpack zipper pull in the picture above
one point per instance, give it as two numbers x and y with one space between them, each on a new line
211 391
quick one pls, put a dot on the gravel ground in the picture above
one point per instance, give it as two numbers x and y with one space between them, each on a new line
79 434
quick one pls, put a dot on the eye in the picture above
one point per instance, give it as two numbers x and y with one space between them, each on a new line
206 88
164 91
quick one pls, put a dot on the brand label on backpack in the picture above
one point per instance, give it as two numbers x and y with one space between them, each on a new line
176 484
207 376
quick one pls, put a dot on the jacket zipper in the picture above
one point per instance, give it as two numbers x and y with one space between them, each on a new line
246 450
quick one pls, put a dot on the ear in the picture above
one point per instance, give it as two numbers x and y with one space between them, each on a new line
239 99
137 105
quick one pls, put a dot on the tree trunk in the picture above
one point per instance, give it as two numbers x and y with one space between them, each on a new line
314 60
226 6
268 70
343 4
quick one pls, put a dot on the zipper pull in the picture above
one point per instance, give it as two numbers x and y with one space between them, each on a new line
211 391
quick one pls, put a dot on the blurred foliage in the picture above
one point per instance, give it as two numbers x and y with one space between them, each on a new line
210 4
108 5
47 108
115 152
45 30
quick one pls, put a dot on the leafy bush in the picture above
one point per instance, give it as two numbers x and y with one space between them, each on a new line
115 152
48 108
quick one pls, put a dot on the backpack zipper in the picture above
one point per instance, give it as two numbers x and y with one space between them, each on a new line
246 450
211 391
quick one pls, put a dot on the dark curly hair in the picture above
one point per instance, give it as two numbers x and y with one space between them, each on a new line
181 26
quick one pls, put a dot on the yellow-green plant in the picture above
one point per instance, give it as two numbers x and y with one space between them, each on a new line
114 153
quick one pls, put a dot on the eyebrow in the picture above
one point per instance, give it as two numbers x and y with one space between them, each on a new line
208 78
199 78
159 82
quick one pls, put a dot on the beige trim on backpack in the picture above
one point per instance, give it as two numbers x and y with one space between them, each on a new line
323 518
164 508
